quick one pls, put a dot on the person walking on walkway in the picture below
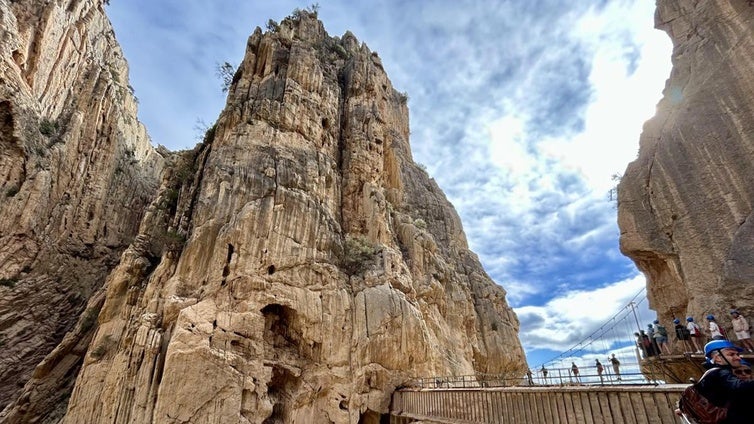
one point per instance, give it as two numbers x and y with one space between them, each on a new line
661 338
651 334
648 344
575 371
695 333
544 373
741 328
616 366
682 335
600 368
715 332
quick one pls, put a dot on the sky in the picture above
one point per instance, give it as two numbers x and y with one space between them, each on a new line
522 110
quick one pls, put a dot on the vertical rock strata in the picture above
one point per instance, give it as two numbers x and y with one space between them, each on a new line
296 266
685 204
76 173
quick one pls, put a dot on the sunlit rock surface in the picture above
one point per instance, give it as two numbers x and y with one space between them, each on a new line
685 203
296 266
76 173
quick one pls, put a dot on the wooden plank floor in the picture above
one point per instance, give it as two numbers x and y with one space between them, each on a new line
533 405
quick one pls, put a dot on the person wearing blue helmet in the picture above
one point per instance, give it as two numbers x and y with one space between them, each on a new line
715 332
696 334
682 335
661 338
720 385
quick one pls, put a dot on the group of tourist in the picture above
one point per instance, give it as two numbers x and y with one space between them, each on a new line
574 373
691 337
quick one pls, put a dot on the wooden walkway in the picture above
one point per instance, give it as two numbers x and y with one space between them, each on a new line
534 405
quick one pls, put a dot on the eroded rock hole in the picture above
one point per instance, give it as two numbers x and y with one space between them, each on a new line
271 269
280 327
226 268
371 417
6 120
279 390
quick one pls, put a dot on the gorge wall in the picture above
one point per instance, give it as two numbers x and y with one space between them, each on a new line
685 204
76 174
296 265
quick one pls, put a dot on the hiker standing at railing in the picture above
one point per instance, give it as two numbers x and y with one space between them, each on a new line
616 365
544 373
575 371
600 369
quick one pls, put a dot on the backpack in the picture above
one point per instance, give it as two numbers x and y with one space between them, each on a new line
683 333
694 329
693 404
663 332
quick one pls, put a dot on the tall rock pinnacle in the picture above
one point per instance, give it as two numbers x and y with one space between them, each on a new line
296 266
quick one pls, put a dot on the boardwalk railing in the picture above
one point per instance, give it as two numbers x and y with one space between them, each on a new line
557 377
532 405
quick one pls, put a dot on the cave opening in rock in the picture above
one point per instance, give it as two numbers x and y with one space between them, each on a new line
280 327
279 390
371 417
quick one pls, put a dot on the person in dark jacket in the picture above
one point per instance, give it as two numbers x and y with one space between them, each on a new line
720 385
682 335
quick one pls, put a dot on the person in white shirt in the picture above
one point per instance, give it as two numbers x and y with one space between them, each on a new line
695 333
714 330
741 328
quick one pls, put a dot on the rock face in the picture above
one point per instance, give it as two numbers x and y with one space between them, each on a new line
685 204
296 266
76 173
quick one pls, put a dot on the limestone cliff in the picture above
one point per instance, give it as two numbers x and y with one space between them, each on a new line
296 266
685 204
76 172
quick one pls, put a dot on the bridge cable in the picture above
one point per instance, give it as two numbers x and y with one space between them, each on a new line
573 350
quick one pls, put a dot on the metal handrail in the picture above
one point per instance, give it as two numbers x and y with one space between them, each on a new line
555 377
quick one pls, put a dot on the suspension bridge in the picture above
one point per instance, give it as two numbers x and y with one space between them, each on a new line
568 388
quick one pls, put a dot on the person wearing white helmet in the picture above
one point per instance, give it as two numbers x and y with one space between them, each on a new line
741 328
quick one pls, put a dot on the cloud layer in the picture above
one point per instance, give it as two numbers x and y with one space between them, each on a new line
521 110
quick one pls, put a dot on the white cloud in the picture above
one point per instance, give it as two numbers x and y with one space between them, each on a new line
566 322
631 62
